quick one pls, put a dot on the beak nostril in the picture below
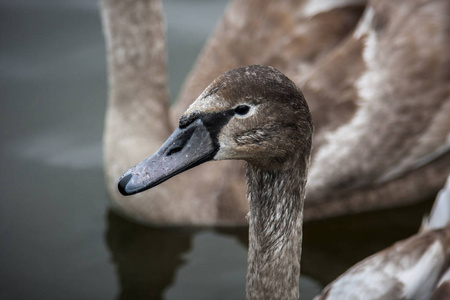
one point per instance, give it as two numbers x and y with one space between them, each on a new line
174 150
176 147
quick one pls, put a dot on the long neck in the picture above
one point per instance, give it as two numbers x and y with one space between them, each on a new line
275 232
137 68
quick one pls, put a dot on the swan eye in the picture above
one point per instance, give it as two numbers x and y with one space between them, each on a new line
242 110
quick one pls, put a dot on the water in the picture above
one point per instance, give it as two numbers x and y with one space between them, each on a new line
58 238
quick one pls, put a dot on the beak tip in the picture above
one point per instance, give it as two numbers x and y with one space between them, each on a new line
122 185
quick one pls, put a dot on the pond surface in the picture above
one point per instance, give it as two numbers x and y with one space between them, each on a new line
58 238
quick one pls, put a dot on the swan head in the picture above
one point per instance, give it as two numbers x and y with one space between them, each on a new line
252 113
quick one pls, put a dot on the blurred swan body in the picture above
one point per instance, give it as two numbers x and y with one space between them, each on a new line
379 96
138 113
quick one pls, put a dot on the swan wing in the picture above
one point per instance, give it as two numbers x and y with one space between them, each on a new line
407 270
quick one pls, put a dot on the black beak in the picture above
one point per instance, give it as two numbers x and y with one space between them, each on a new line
184 149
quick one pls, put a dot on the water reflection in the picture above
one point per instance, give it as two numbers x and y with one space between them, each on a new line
146 258
210 263
150 260
182 263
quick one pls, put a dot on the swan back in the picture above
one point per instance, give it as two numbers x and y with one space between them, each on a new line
414 268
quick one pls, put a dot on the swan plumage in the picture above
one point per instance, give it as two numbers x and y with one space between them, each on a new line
417 268
397 135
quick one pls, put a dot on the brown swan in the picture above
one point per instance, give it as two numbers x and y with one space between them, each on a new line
258 115
138 107
371 149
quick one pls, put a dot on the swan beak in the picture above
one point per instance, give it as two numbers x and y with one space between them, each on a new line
186 148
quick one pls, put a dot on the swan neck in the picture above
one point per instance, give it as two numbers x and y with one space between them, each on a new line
275 232
136 46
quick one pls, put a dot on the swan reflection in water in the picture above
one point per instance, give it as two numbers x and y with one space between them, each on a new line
148 259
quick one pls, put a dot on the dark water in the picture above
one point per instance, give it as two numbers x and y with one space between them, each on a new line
58 238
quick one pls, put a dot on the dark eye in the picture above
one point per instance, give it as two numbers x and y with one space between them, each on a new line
242 110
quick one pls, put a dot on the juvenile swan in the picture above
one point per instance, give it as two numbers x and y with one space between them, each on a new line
255 114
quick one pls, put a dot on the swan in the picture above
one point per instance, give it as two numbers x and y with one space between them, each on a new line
338 58
138 112
415 268
255 114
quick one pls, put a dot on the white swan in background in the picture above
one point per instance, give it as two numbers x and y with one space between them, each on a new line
379 97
